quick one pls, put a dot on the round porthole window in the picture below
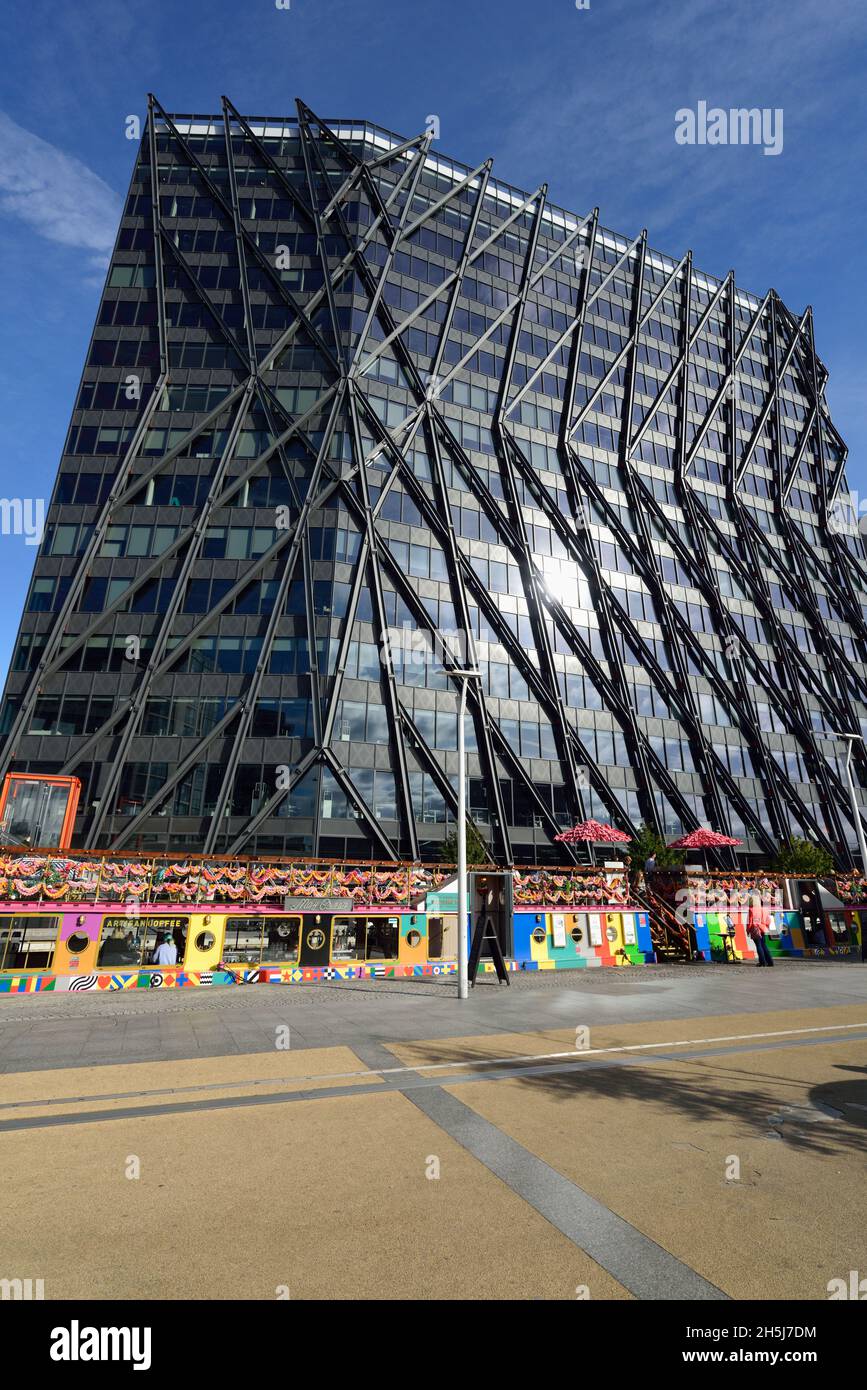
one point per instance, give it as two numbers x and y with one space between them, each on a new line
205 940
577 934
78 942
316 939
539 934
611 933
413 938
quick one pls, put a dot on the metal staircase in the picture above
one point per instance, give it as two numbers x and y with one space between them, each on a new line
672 939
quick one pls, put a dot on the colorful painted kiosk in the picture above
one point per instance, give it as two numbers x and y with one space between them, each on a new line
80 921
808 917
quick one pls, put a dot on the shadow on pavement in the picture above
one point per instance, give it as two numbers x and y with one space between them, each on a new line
828 1119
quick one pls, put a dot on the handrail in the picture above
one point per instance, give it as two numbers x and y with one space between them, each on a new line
677 934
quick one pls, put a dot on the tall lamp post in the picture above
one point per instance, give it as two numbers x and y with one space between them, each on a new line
463 986
851 740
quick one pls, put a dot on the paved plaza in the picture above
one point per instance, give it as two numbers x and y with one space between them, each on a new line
672 1132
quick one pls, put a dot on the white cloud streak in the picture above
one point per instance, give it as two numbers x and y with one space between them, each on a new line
56 195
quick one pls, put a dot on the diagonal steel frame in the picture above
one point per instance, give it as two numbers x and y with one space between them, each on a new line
139 695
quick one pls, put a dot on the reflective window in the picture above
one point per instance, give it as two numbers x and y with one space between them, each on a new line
364 938
281 938
243 940
256 939
27 943
126 941
347 938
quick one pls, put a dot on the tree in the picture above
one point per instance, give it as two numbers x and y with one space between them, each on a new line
477 849
648 842
803 859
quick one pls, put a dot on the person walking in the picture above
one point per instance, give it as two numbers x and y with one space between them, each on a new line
758 925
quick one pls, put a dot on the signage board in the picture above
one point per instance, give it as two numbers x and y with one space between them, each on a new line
442 902
127 924
318 904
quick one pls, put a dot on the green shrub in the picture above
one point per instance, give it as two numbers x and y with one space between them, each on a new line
477 849
648 842
803 859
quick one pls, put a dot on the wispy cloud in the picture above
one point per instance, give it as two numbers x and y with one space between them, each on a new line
610 135
55 194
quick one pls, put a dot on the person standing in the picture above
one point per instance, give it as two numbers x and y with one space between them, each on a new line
167 952
758 925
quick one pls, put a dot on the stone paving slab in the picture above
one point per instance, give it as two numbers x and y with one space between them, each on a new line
325 1199
656 1145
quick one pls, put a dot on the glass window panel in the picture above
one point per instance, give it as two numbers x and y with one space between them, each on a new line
27 943
281 937
382 938
348 936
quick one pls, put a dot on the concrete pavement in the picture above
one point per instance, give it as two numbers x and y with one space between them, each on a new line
96 1029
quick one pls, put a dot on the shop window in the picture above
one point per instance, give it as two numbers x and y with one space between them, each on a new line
282 935
382 934
127 941
243 940
27 943
348 938
360 938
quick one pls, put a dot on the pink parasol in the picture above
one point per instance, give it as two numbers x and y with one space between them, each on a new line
594 831
703 839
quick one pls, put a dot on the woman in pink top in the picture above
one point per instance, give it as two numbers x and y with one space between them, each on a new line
758 924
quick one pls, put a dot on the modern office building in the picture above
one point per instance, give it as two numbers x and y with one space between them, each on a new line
353 414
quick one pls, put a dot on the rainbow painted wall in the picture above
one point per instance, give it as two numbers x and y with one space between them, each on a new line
838 935
547 938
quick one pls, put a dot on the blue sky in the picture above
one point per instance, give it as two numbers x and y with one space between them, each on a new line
584 99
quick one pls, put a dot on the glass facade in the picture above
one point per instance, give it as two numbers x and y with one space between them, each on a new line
354 414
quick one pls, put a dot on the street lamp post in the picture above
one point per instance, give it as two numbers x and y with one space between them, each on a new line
853 795
463 986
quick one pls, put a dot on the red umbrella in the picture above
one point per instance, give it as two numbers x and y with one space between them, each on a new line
594 831
703 839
